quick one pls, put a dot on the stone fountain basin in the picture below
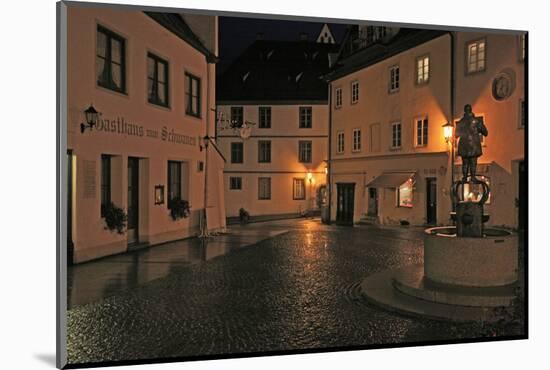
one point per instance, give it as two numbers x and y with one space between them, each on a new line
490 261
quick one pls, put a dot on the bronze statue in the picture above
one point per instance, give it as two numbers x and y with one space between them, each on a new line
469 130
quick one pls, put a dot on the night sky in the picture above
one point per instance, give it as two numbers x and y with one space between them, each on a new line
236 34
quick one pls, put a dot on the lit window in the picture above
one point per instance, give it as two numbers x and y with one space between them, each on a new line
299 189
356 140
235 183
264 188
394 79
396 135
421 128
338 99
354 92
473 192
265 117
476 56
340 142
405 194
304 150
422 70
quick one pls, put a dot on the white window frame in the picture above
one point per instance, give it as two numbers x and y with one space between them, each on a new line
394 79
392 141
302 187
354 92
425 128
340 143
422 66
480 57
268 181
338 98
356 144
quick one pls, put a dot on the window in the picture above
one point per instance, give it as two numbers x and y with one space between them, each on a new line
340 142
235 183
265 117
264 151
105 182
356 147
174 181
354 92
394 79
522 121
264 188
421 128
236 152
157 80
476 56
396 135
474 192
305 117
299 189
338 98
236 116
304 151
192 95
110 60
405 194
422 70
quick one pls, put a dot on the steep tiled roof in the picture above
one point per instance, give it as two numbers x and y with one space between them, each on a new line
175 23
405 39
274 71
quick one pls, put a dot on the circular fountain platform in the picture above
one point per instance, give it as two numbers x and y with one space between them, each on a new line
490 261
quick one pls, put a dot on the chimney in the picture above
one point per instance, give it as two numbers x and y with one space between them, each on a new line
303 36
260 36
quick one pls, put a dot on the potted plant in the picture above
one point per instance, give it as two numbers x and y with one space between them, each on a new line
115 218
179 208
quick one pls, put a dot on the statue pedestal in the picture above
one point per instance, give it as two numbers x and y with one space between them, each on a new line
469 217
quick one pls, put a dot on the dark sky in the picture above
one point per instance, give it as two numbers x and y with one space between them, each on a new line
236 34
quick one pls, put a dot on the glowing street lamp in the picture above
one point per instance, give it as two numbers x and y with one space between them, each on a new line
448 132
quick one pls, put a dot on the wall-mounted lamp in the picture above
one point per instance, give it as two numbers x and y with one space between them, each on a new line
91 119
448 132
203 142
309 176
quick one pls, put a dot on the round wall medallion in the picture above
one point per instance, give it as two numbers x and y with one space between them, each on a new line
503 85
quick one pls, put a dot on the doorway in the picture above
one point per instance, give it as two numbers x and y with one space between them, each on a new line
431 200
345 203
372 206
133 200
522 196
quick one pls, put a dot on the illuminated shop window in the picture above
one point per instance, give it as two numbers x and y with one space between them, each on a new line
405 194
473 192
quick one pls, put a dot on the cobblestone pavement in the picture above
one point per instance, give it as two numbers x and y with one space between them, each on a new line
296 290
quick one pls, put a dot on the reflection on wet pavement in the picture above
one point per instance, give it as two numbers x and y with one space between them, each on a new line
95 280
294 290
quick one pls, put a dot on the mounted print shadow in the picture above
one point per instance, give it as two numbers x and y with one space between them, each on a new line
239 186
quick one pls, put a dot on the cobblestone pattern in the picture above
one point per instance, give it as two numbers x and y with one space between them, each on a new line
299 290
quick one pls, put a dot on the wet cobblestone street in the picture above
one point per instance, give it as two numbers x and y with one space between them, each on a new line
296 290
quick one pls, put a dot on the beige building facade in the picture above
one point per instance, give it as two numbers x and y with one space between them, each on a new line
390 162
279 169
152 81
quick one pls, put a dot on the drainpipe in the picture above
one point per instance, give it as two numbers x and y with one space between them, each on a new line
204 232
329 162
